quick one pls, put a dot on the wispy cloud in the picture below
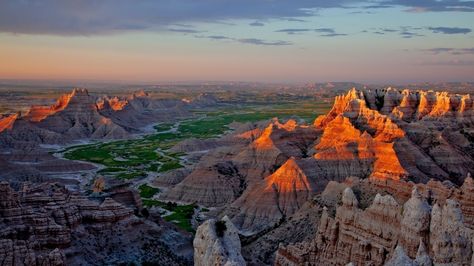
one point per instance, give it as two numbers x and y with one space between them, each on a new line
253 41
453 51
409 34
257 24
293 31
325 32
449 30
215 37
329 32
263 42
419 6
449 63
185 31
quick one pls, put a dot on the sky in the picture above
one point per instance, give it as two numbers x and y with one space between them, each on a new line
373 41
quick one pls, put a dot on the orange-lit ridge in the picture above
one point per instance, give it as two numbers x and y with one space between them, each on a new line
6 122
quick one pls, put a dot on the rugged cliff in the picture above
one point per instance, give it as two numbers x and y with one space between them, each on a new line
48 225
386 232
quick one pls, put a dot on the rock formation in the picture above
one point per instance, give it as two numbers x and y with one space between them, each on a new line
212 247
277 196
387 136
386 234
7 121
383 135
41 224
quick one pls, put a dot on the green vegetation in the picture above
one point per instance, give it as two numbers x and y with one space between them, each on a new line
147 192
180 215
170 166
163 127
131 175
129 159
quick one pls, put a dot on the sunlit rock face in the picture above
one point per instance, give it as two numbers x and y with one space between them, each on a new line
422 134
74 116
38 113
386 233
7 121
278 195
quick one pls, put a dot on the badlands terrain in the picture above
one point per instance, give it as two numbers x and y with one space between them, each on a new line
319 174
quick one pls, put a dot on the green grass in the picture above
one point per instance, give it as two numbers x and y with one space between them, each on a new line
131 175
170 166
163 127
147 192
180 214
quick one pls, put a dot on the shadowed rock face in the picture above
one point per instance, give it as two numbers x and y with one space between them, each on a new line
48 225
386 234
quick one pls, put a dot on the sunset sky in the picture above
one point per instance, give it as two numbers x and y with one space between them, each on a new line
238 40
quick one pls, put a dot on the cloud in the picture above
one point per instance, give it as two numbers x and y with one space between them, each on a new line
408 34
263 42
449 63
333 34
216 37
328 32
257 24
325 30
419 6
68 17
293 31
185 31
449 30
453 51
388 30
253 41
294 20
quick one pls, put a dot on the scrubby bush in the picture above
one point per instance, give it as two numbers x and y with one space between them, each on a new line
220 228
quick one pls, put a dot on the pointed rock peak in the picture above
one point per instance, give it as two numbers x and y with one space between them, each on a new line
265 141
229 224
468 181
79 91
435 210
415 193
140 93
377 199
399 257
422 257
117 104
6 122
452 211
288 177
354 94
289 169
349 199
290 125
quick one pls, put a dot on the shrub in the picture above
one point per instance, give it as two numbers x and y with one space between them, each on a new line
220 228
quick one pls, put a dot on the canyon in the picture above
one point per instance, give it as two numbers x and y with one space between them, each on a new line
383 176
